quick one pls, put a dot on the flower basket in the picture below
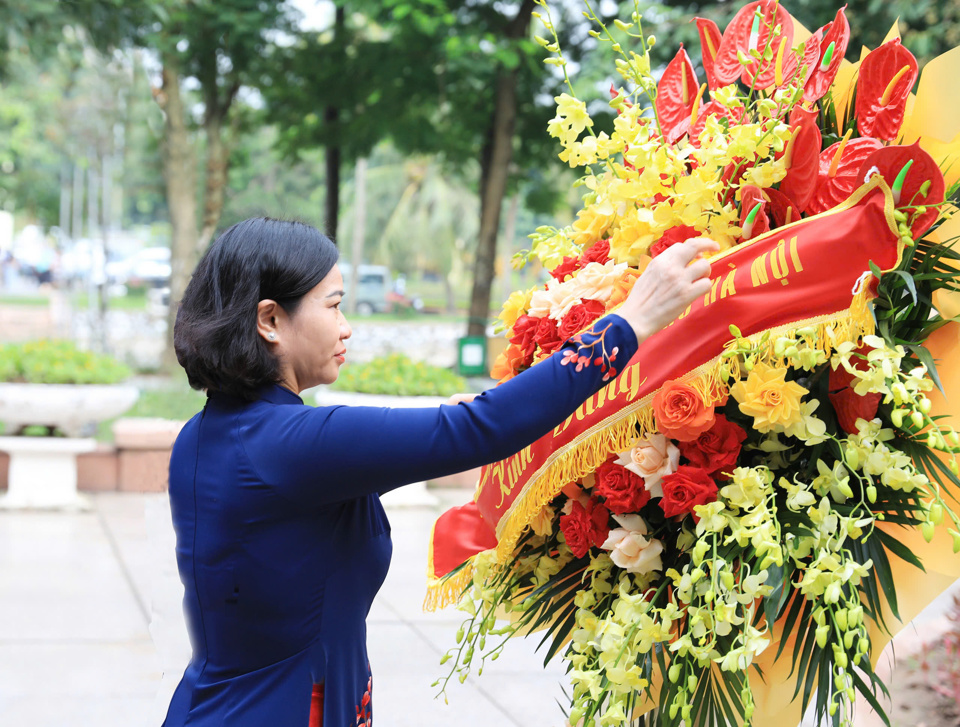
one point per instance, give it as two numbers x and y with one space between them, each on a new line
733 529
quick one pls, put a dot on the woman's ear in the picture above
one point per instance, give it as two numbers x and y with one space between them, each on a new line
267 313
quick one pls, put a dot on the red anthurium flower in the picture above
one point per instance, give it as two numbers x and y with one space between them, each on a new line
803 156
753 212
850 406
826 66
676 96
743 34
921 185
807 64
886 76
786 69
847 403
732 174
710 39
839 172
781 209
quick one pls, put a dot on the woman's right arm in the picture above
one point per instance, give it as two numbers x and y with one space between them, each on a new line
318 456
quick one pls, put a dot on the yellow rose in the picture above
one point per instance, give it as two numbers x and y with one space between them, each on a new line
773 402
515 306
590 226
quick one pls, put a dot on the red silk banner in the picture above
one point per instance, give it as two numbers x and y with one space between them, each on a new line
809 273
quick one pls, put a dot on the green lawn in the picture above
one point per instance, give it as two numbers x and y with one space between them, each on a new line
31 300
135 301
169 399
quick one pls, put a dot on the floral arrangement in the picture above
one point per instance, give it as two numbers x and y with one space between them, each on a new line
764 505
57 362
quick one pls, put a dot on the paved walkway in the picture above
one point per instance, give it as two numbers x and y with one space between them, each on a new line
78 592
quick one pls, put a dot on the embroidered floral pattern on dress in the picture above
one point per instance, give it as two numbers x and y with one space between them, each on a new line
365 709
588 353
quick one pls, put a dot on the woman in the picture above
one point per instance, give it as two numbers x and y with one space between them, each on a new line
281 539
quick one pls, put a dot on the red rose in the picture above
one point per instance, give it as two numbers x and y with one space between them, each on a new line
524 335
579 317
569 266
673 236
599 252
622 490
716 450
547 337
585 527
686 488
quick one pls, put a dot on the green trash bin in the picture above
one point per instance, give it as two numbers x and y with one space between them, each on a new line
472 356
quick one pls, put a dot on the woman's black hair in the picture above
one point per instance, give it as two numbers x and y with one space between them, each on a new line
215 335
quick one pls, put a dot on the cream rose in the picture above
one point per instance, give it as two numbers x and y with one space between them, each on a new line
629 547
651 458
554 302
597 281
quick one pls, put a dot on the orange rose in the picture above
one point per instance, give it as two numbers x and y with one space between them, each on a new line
507 364
681 412
622 287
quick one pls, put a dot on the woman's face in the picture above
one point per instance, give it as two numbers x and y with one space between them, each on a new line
310 343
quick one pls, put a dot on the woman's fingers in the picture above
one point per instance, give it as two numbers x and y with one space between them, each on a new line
688 251
698 269
670 283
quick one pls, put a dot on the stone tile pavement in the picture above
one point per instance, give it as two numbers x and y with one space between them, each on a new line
78 593
77 648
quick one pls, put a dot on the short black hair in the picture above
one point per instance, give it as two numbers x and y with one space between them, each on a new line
215 335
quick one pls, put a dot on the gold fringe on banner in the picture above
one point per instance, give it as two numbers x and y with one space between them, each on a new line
446 591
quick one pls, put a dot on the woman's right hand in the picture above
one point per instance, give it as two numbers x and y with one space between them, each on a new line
671 282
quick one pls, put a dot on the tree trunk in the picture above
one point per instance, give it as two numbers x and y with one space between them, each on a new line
509 234
495 164
331 117
180 177
359 233
215 182
332 200
495 161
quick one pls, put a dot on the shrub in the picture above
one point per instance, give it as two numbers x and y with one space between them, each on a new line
57 362
398 375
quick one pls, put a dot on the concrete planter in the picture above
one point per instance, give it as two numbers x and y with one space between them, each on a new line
415 495
43 470
65 406
43 473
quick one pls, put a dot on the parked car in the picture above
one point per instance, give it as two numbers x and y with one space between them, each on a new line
150 267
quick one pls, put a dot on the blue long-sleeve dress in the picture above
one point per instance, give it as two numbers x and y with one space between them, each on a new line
282 542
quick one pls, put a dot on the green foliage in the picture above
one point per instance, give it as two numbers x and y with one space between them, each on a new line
57 362
398 375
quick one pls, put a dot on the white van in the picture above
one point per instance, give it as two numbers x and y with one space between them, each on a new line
374 287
